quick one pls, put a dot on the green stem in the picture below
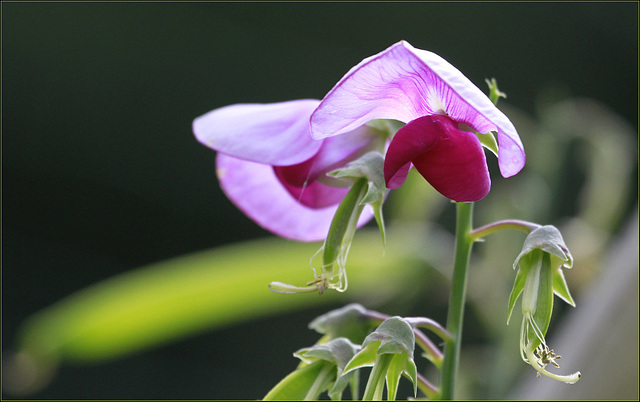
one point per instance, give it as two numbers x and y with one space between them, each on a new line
486 230
375 384
464 216
320 383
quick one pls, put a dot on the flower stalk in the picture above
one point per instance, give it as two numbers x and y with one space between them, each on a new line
321 382
483 231
455 316
375 384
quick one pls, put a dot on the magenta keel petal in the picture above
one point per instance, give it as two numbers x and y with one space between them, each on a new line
456 166
414 139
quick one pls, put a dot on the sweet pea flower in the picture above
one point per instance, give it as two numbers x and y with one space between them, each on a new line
446 117
272 170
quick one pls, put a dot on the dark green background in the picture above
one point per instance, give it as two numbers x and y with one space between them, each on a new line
101 173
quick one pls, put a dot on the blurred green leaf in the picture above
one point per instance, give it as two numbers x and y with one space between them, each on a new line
203 291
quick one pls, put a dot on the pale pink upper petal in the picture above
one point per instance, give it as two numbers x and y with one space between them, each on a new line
404 83
256 191
274 133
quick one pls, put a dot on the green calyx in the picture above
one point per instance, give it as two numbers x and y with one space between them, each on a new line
389 350
547 242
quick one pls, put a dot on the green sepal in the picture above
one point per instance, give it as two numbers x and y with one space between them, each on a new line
560 287
489 141
296 385
343 224
549 239
396 336
518 286
365 358
349 321
369 166
401 363
544 304
339 351
387 127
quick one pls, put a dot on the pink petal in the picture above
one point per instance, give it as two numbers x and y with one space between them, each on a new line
256 191
456 165
275 133
304 180
404 83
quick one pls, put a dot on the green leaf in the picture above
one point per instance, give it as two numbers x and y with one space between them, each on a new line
296 385
518 286
169 300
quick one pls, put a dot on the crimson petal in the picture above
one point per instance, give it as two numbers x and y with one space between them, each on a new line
455 165
414 139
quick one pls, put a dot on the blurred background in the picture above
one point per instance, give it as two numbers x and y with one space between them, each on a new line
101 175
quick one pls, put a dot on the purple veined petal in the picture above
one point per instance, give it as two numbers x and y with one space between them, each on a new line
456 165
256 191
274 133
404 83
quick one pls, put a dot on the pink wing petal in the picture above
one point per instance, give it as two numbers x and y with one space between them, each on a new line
256 191
404 83
456 165
275 133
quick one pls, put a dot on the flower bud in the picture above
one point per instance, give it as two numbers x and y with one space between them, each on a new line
539 277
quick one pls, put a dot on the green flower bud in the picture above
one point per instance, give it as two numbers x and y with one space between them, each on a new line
539 277
389 350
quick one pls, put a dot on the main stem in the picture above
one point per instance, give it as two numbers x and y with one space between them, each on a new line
464 217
